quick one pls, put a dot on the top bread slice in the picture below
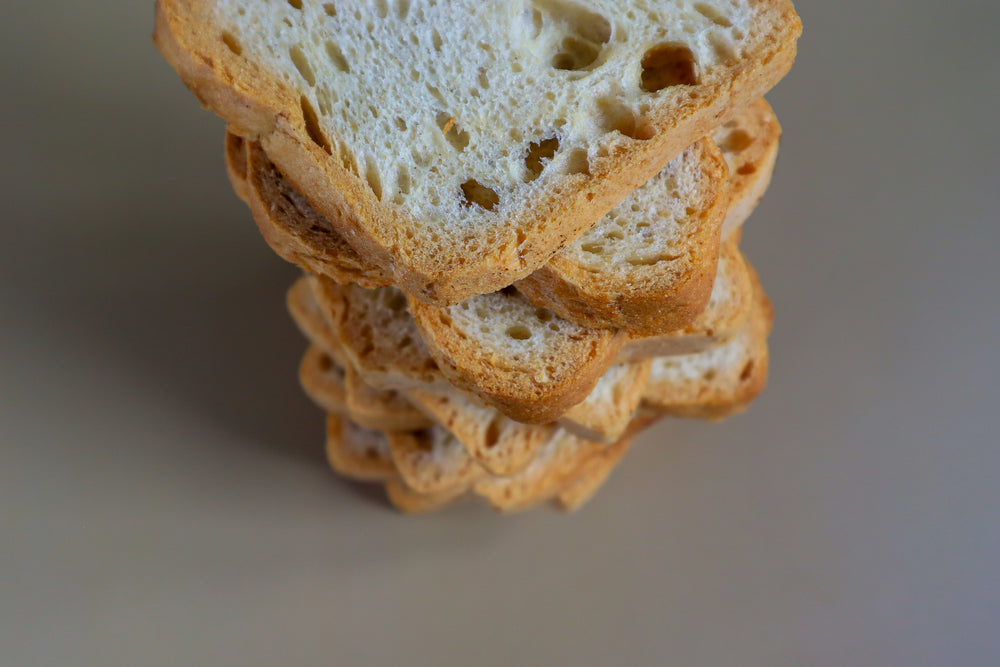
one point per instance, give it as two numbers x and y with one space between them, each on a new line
458 145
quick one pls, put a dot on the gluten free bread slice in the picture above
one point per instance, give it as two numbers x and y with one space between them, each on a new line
458 145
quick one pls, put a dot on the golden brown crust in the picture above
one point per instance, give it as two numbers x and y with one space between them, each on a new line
529 395
740 384
257 106
409 501
716 324
295 231
606 418
647 300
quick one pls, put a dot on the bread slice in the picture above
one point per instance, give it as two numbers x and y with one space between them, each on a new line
409 501
720 382
336 389
515 127
607 411
432 461
727 310
501 446
749 144
527 362
377 335
358 453
542 479
594 471
648 265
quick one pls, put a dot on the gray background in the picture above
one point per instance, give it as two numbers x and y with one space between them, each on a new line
163 498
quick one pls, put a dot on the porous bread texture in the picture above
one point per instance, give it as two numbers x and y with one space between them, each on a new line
648 265
299 234
500 445
749 144
720 382
524 360
542 479
727 310
358 453
607 411
377 336
433 461
526 121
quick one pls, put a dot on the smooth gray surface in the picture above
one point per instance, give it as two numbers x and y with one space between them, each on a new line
163 499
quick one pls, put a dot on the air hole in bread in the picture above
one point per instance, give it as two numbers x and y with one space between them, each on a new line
406 342
325 362
747 371
519 332
709 375
302 65
297 4
452 131
403 180
736 141
330 9
539 154
337 57
668 65
747 169
543 315
724 49
374 178
423 440
577 162
651 260
712 14
475 193
584 32
492 436
617 117
395 301
436 40
593 248
312 125
232 43
382 8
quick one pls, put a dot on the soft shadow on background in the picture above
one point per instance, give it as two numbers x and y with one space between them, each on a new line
163 491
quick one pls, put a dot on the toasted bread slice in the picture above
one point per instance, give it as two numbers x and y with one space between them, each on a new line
409 501
527 362
525 122
358 453
433 461
377 335
336 389
498 444
649 264
607 411
749 144
720 382
727 311
542 479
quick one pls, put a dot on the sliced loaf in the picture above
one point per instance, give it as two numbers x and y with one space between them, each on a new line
358 453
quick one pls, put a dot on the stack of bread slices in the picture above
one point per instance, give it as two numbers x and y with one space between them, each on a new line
519 221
